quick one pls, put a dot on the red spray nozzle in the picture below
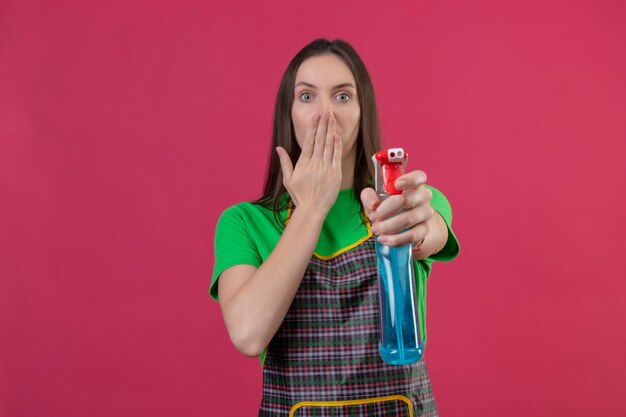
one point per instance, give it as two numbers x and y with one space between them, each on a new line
389 166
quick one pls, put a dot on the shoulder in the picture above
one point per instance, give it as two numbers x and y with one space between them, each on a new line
243 208
249 215
235 214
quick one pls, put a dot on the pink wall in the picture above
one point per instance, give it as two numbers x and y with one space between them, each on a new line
113 121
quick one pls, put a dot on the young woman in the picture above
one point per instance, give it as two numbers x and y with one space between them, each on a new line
297 269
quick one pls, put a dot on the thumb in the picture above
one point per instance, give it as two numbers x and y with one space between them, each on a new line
285 164
370 201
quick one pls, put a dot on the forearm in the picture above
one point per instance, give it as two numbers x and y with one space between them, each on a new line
258 308
435 239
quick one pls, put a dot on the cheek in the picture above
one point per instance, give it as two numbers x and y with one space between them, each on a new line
355 122
350 114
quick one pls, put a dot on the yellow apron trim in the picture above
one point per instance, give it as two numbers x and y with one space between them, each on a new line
342 250
351 402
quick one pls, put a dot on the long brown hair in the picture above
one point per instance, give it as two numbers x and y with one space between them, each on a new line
283 134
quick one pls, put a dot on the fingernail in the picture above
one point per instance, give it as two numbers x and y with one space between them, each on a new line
383 240
400 184
374 229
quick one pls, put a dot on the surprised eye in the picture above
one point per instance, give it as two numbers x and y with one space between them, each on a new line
344 94
306 96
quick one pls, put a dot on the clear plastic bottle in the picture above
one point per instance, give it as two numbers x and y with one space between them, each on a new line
400 334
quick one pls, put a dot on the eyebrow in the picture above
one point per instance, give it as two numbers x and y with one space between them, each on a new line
337 86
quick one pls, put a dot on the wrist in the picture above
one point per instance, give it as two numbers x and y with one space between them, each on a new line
435 239
312 214
442 235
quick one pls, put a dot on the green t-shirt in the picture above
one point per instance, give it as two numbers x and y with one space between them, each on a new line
247 233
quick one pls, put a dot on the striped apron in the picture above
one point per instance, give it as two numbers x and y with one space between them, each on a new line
324 359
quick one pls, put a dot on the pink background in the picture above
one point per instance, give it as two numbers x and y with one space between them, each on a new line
118 122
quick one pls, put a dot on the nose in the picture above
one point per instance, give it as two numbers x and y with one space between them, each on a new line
327 106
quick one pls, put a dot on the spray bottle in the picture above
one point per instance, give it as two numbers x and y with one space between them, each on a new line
400 338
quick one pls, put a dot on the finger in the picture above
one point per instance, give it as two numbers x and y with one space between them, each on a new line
329 143
309 139
415 234
403 221
390 206
413 179
337 153
285 164
409 199
320 135
370 201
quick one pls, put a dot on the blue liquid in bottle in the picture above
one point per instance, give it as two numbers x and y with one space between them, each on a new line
400 340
